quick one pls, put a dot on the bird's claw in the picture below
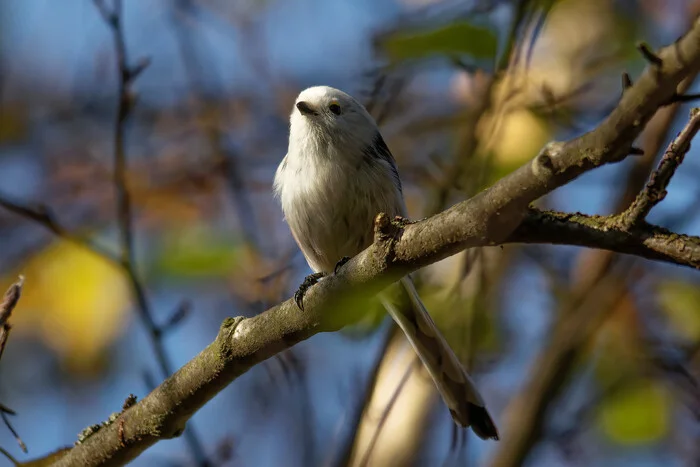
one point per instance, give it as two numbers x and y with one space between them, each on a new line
309 281
340 264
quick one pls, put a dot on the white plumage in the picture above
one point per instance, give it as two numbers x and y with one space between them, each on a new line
338 174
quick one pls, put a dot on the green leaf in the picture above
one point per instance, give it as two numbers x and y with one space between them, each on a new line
636 414
196 252
681 301
456 38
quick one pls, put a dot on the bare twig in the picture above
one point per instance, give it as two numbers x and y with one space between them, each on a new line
10 299
655 191
596 267
14 461
4 413
7 305
521 15
652 141
180 313
395 87
683 98
604 232
654 60
127 76
124 210
206 109
626 81
43 215
379 77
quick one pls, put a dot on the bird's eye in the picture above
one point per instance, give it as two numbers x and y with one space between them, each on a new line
335 108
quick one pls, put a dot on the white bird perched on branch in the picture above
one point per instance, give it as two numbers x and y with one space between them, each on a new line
338 174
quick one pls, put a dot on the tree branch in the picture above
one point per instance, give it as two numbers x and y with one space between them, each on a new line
556 361
7 306
593 267
492 217
655 191
605 233
627 232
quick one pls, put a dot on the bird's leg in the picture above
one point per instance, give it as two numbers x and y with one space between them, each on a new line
312 279
309 281
340 264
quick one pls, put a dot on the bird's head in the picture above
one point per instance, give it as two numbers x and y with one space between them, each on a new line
333 117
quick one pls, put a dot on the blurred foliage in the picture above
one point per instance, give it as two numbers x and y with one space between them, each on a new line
619 348
458 38
465 319
520 136
195 251
680 301
516 138
14 123
638 413
76 302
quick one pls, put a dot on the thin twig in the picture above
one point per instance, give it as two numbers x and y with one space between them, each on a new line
127 75
22 446
43 215
626 81
378 76
598 268
395 88
655 190
124 209
454 175
520 18
649 55
206 109
178 316
9 456
7 305
10 299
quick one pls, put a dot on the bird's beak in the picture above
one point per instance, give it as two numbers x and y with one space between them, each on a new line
305 108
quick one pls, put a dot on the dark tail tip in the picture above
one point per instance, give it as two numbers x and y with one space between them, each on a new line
480 421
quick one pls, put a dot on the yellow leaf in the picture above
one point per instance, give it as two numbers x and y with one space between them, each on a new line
516 137
75 301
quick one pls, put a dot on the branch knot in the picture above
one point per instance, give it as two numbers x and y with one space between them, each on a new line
543 165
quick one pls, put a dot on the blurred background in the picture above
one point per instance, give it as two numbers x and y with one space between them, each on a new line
584 357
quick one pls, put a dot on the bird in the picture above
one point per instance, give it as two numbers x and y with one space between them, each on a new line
337 175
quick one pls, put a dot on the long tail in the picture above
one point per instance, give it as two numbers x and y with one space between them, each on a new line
452 381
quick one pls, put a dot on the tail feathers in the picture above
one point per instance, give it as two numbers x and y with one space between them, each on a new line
478 418
481 422
454 384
